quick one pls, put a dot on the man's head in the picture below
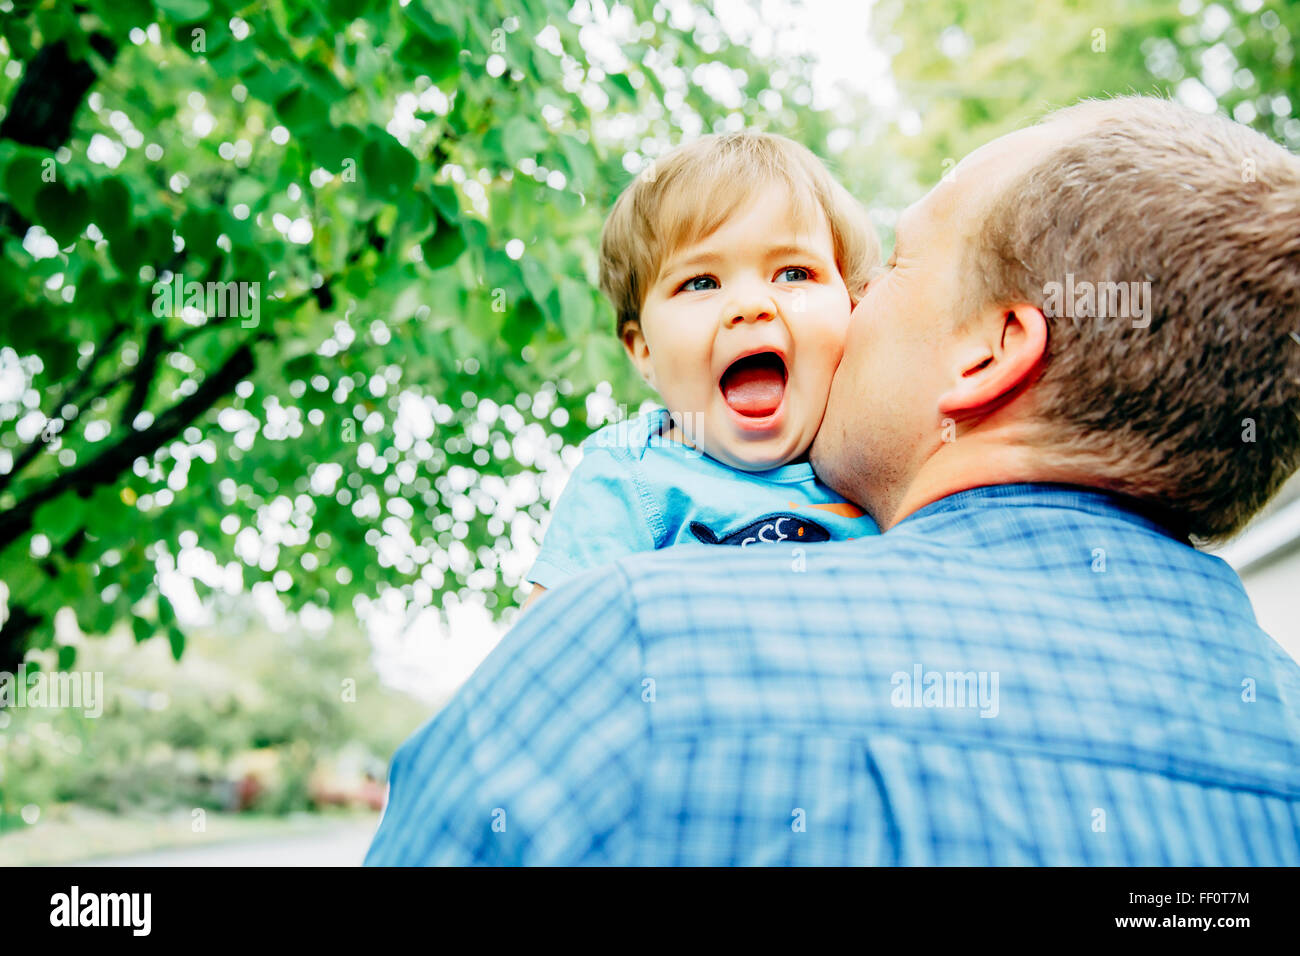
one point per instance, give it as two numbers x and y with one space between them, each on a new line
980 356
733 265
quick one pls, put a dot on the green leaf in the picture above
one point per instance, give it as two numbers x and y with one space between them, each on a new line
301 110
444 197
524 319
247 190
111 206
345 11
23 181
122 15
103 620
539 284
142 629
415 213
176 638
329 147
432 47
269 84
577 310
184 11
62 211
387 167
61 518
444 246
147 242
521 138
581 160
434 54
200 228
322 82
622 86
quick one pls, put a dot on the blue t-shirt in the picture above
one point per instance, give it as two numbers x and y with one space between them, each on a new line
638 490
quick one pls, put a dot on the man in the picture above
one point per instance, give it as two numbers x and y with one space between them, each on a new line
1031 665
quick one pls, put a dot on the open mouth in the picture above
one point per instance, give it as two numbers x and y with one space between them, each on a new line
754 386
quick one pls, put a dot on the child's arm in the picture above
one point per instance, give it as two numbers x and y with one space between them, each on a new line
537 592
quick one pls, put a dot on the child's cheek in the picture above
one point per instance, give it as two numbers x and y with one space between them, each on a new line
837 337
838 325
845 315
837 354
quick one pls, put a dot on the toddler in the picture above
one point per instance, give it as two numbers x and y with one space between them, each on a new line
733 266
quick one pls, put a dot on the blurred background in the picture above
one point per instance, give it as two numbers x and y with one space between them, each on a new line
283 522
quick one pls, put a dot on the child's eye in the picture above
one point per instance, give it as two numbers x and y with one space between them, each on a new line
793 274
698 284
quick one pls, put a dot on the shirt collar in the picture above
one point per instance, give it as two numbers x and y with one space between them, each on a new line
1044 495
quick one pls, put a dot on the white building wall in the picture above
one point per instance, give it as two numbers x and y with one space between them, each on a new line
1274 589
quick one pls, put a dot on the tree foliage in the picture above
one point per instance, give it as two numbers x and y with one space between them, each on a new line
972 71
413 190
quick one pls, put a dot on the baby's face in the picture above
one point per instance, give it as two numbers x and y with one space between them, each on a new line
741 333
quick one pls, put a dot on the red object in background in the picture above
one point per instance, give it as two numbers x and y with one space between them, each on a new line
247 791
367 793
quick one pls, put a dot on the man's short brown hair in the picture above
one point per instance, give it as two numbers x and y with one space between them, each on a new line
691 191
1197 412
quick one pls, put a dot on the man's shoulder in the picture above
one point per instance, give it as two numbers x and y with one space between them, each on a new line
715 562
1145 643
1045 572
785 573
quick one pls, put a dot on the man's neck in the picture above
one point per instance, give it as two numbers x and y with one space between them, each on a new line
973 461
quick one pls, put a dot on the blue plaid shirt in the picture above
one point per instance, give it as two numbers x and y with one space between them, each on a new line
1022 674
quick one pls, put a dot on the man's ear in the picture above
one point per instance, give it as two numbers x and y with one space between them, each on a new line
639 352
1001 352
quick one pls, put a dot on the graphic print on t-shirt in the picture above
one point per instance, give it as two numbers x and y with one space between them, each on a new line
769 529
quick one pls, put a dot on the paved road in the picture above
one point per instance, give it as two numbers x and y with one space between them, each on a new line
344 845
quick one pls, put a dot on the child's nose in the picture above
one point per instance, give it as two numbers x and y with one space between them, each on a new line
752 308
750 315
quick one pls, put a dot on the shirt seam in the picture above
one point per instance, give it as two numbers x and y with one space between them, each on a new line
1004 747
650 511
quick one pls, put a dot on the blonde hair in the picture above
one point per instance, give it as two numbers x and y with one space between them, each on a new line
691 191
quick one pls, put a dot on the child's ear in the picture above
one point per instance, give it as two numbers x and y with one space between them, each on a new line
639 353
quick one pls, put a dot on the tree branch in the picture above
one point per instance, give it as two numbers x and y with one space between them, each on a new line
104 469
52 89
13 636
42 109
71 395
142 380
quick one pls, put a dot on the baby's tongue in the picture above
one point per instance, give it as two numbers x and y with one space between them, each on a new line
753 387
